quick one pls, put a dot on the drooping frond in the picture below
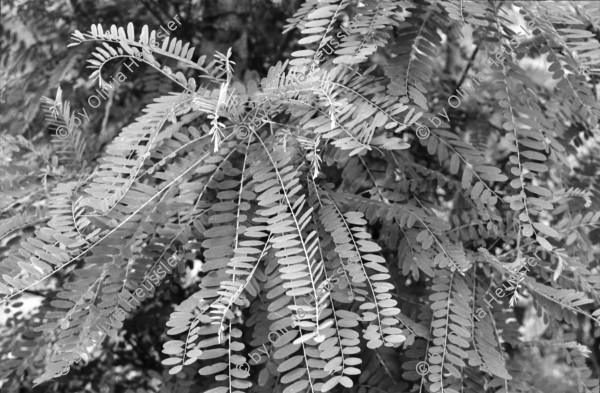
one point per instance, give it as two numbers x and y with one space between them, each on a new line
319 23
487 353
467 11
585 382
574 36
53 246
406 216
451 328
20 221
128 153
355 249
563 303
369 29
68 138
528 150
412 63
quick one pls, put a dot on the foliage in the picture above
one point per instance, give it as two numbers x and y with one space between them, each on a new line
324 225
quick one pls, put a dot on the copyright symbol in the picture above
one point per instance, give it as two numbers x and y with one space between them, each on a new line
423 131
244 370
243 132
62 132
422 368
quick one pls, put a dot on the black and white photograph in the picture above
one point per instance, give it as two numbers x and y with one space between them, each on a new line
299 196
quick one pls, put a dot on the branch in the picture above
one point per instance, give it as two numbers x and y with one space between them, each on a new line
464 75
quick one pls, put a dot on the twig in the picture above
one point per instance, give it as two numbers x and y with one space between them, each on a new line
108 106
464 75
36 293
